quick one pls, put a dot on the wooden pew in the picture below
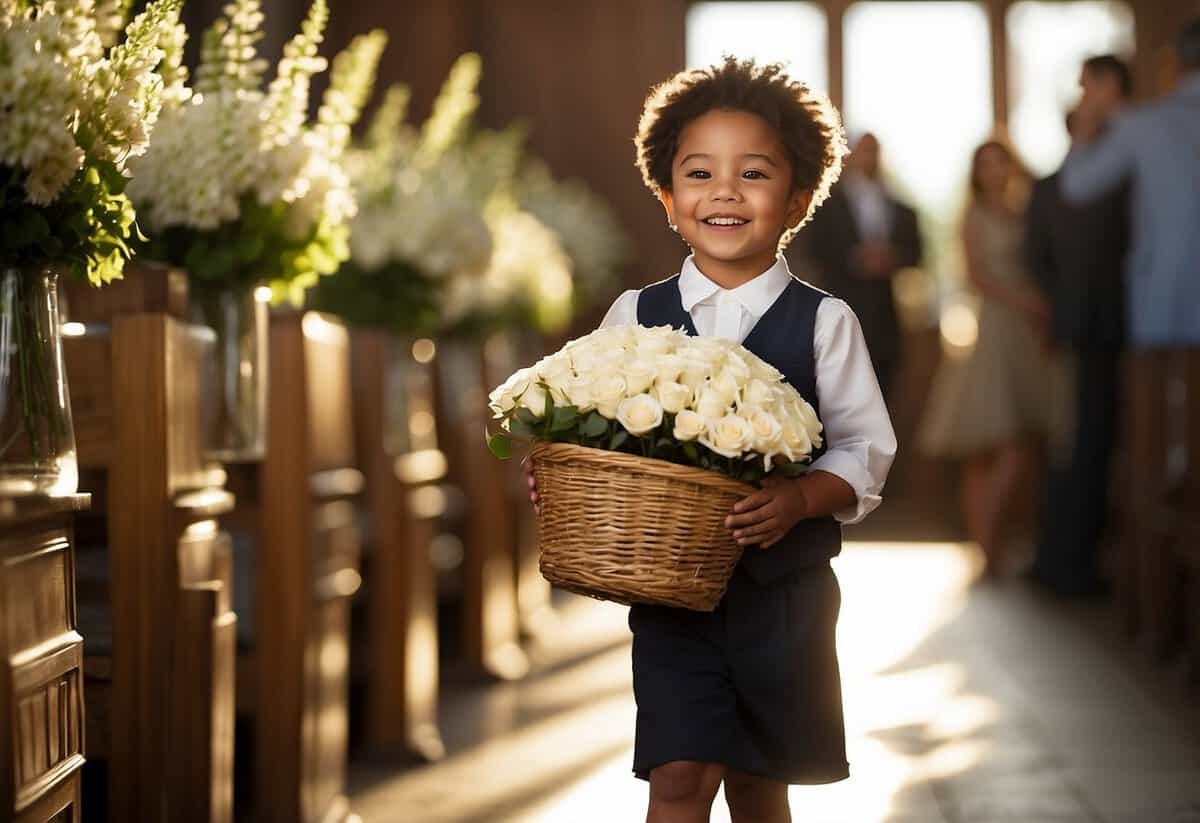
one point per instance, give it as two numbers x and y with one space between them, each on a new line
161 672
505 353
296 513
41 686
489 601
396 444
1149 583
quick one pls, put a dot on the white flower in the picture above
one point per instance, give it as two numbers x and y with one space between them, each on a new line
675 397
640 414
554 370
736 366
796 442
727 386
728 436
607 394
578 393
757 393
534 399
710 404
669 367
503 398
689 426
639 375
767 429
695 372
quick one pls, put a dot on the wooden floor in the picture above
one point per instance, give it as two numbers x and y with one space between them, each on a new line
964 704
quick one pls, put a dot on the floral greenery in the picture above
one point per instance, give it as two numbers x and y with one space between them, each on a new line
279 210
656 392
76 109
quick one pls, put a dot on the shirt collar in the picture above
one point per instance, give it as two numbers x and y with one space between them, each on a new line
756 295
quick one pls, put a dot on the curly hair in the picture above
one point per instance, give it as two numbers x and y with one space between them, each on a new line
807 123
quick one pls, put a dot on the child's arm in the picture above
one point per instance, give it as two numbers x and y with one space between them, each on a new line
847 480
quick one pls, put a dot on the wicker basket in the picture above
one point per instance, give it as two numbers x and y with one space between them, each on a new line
634 530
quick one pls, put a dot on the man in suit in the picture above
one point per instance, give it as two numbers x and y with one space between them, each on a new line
1077 254
857 242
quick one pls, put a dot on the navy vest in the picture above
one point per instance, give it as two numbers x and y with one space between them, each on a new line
784 338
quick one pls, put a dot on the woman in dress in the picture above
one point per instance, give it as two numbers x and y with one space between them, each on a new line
989 408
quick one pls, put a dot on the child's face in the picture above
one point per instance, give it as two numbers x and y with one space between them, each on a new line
731 190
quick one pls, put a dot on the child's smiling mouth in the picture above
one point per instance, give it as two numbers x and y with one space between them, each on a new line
724 222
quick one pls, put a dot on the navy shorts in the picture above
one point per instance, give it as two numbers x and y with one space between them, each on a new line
753 685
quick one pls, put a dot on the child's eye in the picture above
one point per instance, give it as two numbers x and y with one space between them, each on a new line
699 174
754 174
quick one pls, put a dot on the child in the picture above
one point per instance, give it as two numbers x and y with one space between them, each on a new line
739 156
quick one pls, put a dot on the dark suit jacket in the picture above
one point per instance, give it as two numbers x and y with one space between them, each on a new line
1076 254
828 242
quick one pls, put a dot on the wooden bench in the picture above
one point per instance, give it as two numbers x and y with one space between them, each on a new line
41 686
488 596
396 444
296 516
157 578
1150 591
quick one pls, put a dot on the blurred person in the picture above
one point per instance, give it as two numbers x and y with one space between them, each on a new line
857 243
1076 254
1155 148
989 407
749 695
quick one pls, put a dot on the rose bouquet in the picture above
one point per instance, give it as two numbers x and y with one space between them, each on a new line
645 438
660 393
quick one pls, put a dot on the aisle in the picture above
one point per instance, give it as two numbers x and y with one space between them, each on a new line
963 705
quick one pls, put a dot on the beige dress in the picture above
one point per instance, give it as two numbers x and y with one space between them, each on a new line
1006 386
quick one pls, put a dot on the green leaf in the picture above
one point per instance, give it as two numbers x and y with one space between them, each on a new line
499 444
520 428
527 417
563 418
594 426
692 451
620 436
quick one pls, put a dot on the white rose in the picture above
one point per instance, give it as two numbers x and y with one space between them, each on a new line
669 367
689 426
711 404
607 394
729 436
764 371
503 398
737 366
695 372
640 414
767 430
639 375
554 370
727 386
652 347
584 357
757 393
796 442
578 393
534 399
674 397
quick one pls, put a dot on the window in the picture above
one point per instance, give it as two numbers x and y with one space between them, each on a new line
791 33
918 76
1048 41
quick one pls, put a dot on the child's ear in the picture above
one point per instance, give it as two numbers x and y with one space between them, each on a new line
664 197
798 204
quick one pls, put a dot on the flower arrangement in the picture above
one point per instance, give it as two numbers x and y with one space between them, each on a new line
278 209
586 226
399 279
660 393
75 109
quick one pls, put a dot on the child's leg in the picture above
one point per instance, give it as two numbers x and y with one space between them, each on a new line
754 799
682 791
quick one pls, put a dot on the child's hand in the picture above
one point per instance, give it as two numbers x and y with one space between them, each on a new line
767 515
527 465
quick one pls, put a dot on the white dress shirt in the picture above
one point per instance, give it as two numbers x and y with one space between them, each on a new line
870 207
860 441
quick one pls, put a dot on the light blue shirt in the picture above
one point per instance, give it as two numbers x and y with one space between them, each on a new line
1157 148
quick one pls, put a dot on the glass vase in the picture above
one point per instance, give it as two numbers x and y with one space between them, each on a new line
234 396
37 437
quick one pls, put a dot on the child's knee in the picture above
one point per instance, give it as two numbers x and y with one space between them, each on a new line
754 798
685 781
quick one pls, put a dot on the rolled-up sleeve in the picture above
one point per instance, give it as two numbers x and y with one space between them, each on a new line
859 438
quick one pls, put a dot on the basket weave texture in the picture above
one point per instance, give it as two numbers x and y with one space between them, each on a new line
634 530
